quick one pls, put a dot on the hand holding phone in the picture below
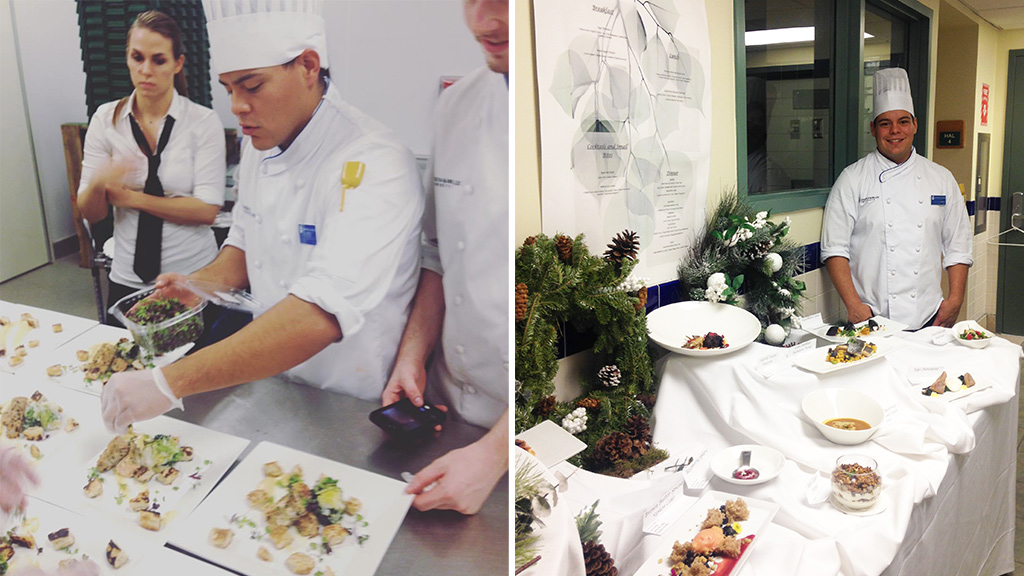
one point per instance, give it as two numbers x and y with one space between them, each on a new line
404 419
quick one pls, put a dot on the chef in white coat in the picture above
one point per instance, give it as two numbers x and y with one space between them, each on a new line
894 220
462 302
325 232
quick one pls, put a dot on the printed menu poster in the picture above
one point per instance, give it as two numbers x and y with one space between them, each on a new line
625 117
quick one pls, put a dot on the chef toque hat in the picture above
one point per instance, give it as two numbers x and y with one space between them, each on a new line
892 91
247 34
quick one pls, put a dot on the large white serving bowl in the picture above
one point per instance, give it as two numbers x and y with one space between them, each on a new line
959 328
825 404
673 325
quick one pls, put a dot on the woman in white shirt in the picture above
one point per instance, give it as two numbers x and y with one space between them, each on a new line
158 159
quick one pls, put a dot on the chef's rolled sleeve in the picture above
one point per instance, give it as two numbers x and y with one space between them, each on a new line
360 249
957 234
838 220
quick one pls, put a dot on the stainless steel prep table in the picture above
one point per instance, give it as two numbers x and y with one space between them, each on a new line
336 426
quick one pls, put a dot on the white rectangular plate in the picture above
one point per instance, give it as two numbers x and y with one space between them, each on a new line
384 505
213 453
921 378
71 326
815 361
551 443
888 328
91 538
170 561
688 525
73 375
83 408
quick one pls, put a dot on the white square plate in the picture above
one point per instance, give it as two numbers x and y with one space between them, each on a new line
815 360
83 408
384 505
887 328
11 336
91 538
64 478
551 443
73 375
688 525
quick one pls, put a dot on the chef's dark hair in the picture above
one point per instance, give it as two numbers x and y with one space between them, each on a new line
164 25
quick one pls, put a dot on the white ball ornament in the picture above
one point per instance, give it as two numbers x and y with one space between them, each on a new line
774 334
774 261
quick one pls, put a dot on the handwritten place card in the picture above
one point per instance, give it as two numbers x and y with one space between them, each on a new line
666 510
772 364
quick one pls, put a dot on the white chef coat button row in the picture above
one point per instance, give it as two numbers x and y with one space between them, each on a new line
505 366
920 201
918 249
259 219
457 300
460 245
469 189
286 239
283 284
920 224
888 200
913 295
892 248
892 273
460 349
890 224
258 264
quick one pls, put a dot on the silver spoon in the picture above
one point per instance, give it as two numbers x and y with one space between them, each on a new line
745 471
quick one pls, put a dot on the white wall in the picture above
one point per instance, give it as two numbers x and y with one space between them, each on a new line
387 57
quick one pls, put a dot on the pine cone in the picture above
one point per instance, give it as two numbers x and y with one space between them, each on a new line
626 244
589 403
521 296
564 246
612 448
642 295
530 241
647 400
609 376
758 251
544 407
639 431
597 560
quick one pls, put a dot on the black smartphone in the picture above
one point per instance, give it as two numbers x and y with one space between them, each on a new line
404 419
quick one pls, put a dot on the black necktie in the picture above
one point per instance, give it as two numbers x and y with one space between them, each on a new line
149 239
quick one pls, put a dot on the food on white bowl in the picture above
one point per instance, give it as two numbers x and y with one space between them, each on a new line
843 416
971 334
767 461
856 483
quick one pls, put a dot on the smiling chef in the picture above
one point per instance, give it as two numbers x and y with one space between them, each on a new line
893 220
326 226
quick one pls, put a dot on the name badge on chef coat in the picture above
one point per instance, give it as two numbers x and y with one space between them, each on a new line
938 200
307 234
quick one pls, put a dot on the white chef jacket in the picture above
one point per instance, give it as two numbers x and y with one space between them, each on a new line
192 164
466 241
359 264
899 225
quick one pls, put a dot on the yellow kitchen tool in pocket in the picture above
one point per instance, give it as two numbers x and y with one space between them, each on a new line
351 176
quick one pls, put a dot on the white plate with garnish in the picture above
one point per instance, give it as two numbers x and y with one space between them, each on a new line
64 479
883 327
35 331
382 505
67 414
971 334
674 325
768 462
688 526
817 360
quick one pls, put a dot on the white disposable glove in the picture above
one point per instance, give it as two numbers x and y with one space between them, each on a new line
15 475
129 397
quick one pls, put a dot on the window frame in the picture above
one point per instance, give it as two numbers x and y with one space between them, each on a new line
848 85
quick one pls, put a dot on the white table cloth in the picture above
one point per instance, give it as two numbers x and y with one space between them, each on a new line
949 468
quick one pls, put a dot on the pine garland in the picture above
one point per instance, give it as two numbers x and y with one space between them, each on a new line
574 287
738 242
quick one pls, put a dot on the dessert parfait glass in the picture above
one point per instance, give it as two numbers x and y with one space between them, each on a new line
856 482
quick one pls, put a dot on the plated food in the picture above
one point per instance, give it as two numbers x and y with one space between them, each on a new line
105 359
709 341
282 511
768 462
284 506
843 416
25 332
718 541
849 330
675 325
140 472
971 334
851 352
856 483
33 418
945 384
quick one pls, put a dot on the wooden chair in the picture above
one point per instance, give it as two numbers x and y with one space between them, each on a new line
90 250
